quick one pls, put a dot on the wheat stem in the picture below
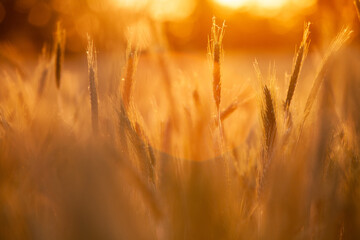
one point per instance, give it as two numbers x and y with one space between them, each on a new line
336 45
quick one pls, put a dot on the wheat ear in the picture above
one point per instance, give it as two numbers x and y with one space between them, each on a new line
215 50
268 119
92 69
335 46
131 63
298 62
269 126
59 52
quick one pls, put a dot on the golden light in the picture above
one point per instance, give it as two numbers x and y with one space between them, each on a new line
262 4
269 4
131 4
159 9
232 3
272 3
171 10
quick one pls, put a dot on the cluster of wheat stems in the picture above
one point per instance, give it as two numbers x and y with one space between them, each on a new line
74 170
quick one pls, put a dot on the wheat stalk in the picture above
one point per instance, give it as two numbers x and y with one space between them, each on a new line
232 107
268 119
357 5
92 69
268 115
298 62
215 50
150 159
229 110
131 63
335 46
269 126
59 52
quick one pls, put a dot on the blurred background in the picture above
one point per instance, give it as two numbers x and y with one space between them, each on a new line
180 25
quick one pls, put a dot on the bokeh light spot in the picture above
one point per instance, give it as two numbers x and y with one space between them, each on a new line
39 14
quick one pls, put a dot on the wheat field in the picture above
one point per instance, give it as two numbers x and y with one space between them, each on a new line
152 144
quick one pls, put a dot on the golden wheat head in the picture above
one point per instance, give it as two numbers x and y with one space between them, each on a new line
131 64
298 62
215 50
268 119
92 69
339 41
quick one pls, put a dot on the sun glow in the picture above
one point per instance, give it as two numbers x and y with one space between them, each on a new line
261 4
232 3
159 9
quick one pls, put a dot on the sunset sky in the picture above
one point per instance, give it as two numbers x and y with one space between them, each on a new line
30 23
